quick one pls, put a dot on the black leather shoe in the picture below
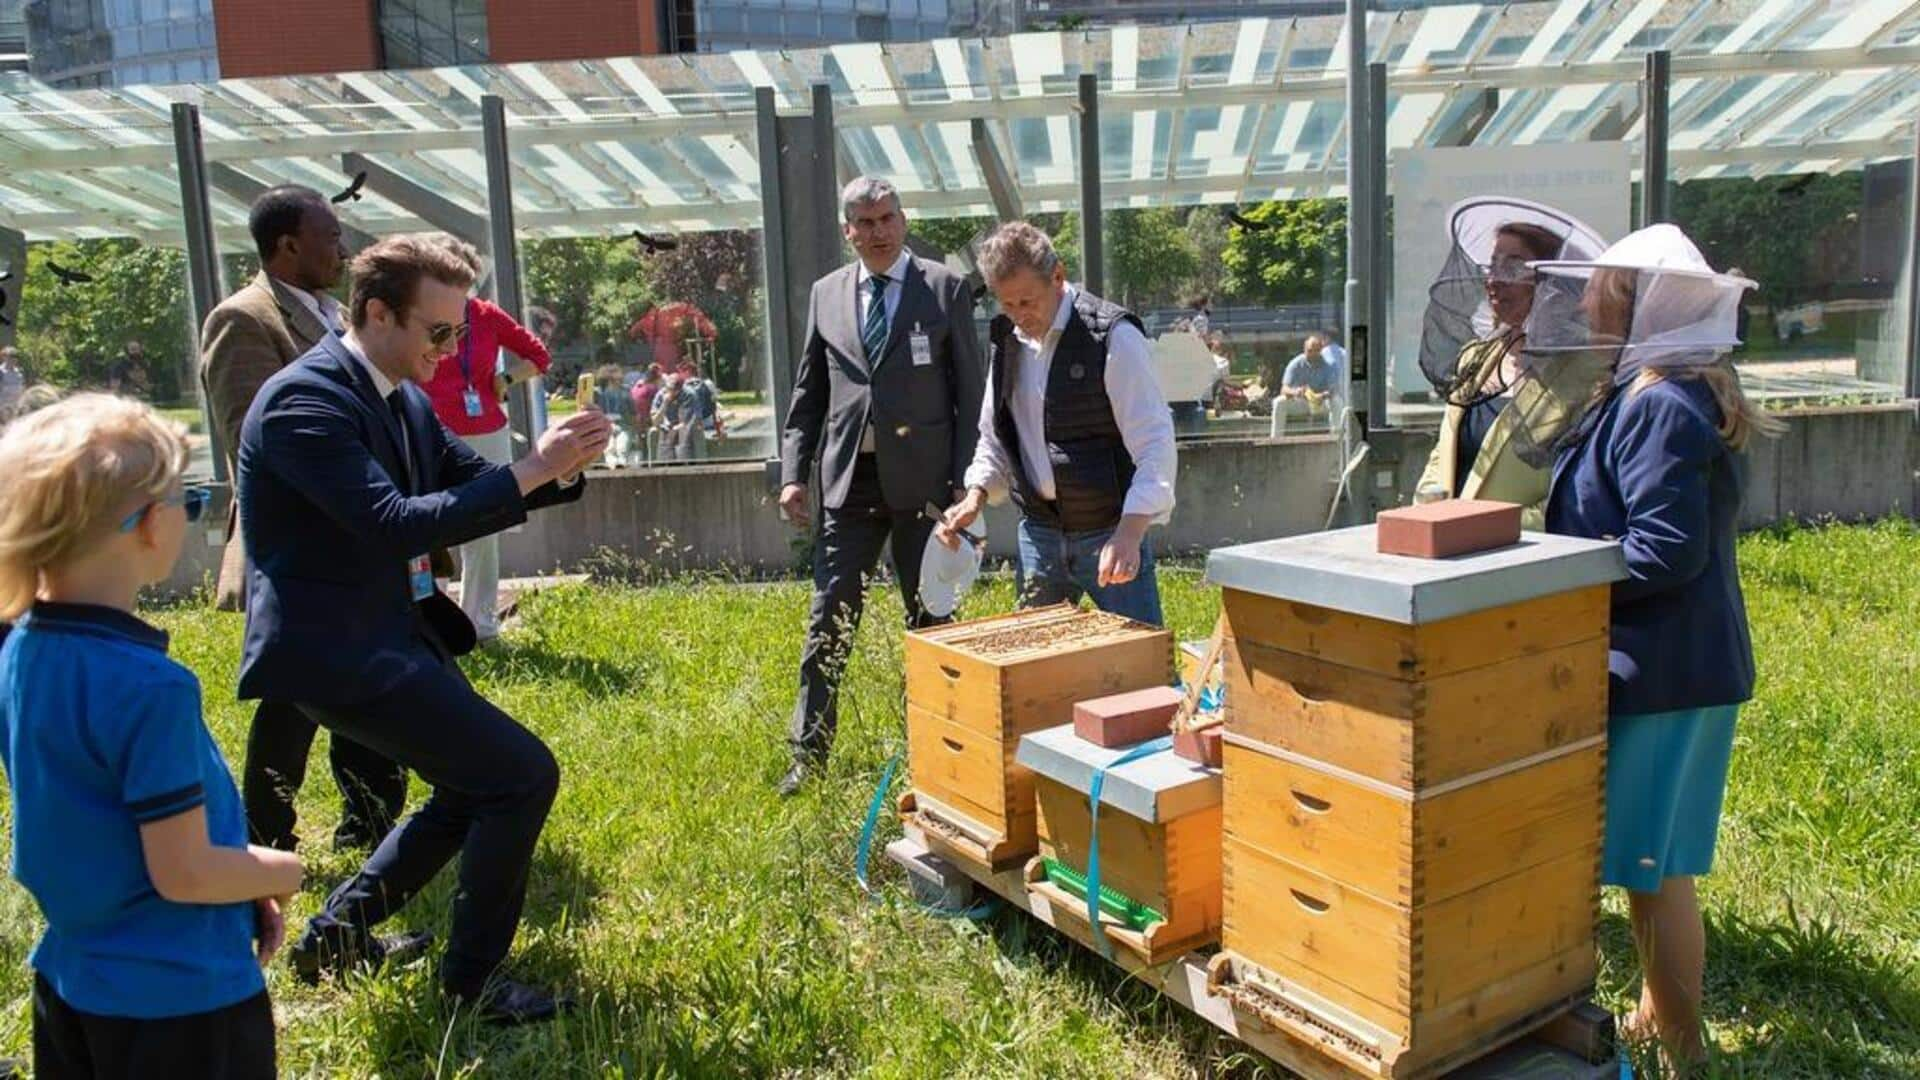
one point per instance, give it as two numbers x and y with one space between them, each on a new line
312 958
509 1003
796 778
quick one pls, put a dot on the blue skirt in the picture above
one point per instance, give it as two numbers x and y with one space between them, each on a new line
1666 780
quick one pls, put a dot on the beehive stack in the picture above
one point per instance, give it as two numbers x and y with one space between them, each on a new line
974 688
1159 844
1414 791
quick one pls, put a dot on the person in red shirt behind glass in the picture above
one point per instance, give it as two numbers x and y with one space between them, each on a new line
466 390
668 328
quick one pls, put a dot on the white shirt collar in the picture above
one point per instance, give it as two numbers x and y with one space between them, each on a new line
381 384
1060 317
896 274
321 305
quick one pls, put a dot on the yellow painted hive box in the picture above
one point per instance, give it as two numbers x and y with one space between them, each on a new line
974 688
1414 791
1159 837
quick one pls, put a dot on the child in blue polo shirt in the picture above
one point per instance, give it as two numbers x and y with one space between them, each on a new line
127 828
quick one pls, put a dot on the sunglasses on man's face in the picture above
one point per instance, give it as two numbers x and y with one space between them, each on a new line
193 500
440 333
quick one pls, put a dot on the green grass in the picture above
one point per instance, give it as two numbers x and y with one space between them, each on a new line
712 929
184 414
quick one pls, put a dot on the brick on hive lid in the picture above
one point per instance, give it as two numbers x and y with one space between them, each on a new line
1125 719
1440 530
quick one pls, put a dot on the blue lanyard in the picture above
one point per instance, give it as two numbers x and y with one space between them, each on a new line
466 347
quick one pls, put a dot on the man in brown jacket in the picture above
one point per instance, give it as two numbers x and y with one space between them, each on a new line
279 315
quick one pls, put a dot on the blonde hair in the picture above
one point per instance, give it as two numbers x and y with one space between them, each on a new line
1740 418
68 472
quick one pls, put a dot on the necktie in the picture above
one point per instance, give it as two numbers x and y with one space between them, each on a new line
874 333
406 449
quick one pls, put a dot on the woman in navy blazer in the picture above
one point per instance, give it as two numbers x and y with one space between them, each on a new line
1656 463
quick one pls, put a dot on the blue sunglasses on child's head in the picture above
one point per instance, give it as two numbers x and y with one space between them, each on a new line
193 500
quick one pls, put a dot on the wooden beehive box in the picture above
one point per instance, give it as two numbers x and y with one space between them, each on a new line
1159 844
1414 792
974 688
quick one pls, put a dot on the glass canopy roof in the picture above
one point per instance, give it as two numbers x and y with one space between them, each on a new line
1224 112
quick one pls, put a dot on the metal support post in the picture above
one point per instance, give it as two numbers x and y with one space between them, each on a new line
1001 187
825 189
801 232
1912 388
525 411
1379 244
1653 162
13 258
1359 240
779 334
203 258
1092 242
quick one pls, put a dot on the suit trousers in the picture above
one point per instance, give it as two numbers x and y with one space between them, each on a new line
373 789
845 551
493 784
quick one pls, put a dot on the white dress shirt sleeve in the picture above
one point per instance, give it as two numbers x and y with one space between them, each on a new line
989 469
1146 425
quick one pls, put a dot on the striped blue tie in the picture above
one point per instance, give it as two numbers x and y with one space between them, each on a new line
874 333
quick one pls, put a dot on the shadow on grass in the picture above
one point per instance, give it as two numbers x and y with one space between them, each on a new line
537 661
1204 1049
1795 996
561 889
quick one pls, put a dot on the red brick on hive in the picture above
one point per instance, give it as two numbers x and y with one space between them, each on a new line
1450 527
1125 719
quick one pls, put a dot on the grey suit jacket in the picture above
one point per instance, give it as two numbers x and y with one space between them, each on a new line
925 416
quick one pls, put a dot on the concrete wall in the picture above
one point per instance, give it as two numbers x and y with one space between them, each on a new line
1846 463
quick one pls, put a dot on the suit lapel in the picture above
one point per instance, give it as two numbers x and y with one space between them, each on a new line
846 301
370 397
306 329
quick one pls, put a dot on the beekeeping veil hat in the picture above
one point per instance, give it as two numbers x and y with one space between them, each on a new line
1458 310
1650 301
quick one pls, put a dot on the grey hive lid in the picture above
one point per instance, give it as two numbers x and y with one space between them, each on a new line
1156 788
1341 570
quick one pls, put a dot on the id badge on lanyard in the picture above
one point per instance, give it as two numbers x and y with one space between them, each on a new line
420 577
469 396
922 348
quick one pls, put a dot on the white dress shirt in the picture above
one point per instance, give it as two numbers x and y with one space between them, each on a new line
381 384
1140 410
896 277
323 306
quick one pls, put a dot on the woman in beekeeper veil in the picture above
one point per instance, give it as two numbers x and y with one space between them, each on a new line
1472 349
1653 459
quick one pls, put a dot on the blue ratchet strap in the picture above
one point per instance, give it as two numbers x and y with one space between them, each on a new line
864 854
1145 749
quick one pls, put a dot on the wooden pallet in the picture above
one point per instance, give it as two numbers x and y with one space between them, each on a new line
1576 1043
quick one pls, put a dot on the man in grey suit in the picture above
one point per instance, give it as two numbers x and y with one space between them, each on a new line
885 402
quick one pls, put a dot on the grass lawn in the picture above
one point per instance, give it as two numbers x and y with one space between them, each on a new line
712 929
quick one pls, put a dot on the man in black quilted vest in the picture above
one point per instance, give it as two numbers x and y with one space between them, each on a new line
1074 429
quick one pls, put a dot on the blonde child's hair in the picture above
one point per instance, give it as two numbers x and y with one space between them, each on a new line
68 473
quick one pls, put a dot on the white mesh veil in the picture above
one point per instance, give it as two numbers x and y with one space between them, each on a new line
1649 301
1458 309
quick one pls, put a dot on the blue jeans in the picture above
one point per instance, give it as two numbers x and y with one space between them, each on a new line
1060 566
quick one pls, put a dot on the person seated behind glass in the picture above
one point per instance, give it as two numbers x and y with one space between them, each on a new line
1473 457
1310 376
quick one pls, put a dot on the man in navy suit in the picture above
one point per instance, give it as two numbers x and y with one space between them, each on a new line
346 481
